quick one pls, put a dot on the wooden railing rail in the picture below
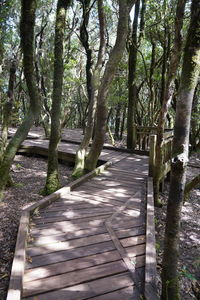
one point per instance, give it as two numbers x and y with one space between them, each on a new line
143 134
166 151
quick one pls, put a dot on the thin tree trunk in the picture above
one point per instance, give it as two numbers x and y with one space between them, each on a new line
169 89
52 181
95 79
123 122
27 36
189 77
151 81
117 120
132 63
110 69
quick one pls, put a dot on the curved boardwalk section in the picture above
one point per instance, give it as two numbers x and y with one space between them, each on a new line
90 243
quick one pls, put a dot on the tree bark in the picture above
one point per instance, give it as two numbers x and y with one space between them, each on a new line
123 121
132 62
189 77
94 84
110 69
117 120
7 109
52 181
27 36
168 93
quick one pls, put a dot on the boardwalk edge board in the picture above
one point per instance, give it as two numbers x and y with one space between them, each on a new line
17 272
150 290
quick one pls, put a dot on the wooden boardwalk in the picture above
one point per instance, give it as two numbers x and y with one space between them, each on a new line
91 242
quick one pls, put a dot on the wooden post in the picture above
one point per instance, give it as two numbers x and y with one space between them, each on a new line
152 154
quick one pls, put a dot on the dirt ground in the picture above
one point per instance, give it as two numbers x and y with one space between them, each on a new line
29 175
189 266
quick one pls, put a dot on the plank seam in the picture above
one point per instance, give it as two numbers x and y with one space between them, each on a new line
130 266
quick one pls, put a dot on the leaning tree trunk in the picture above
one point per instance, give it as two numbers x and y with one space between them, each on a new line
27 36
168 93
52 181
94 82
110 69
132 63
189 77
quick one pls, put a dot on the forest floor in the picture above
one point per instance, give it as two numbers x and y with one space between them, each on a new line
29 175
189 266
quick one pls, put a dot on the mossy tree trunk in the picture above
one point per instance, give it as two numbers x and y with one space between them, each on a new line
132 63
110 69
167 95
7 109
189 77
92 95
27 36
52 181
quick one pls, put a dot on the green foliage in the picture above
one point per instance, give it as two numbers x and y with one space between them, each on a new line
18 185
184 273
18 166
157 246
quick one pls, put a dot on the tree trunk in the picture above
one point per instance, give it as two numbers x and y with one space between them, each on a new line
117 120
189 77
151 82
27 36
52 181
132 63
123 121
7 109
168 93
110 69
94 82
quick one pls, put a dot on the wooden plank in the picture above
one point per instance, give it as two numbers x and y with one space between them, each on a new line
66 190
76 243
39 239
150 270
109 200
69 212
84 223
60 256
128 293
118 179
65 245
71 265
88 289
86 198
65 207
76 265
127 224
61 281
111 184
17 271
127 188
127 172
57 228
69 216
122 233
136 240
110 192
116 172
